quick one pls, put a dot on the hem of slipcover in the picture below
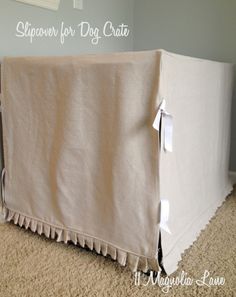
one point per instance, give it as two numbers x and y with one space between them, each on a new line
174 256
133 261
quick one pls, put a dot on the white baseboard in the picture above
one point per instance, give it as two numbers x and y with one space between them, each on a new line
232 175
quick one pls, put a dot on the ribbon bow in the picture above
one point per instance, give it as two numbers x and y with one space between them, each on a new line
165 210
163 123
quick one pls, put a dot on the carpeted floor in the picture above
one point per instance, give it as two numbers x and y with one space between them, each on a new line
34 266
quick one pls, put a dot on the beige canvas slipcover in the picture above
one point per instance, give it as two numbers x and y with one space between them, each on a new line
84 162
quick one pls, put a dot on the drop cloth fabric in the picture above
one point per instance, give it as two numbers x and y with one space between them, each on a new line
195 176
83 162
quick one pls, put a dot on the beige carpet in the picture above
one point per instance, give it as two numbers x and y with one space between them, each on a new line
32 266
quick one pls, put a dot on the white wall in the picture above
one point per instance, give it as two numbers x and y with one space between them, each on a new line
97 12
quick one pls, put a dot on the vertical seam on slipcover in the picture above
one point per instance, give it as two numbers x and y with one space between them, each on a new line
4 153
158 151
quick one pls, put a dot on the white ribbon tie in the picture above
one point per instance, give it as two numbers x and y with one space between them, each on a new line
165 210
163 123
